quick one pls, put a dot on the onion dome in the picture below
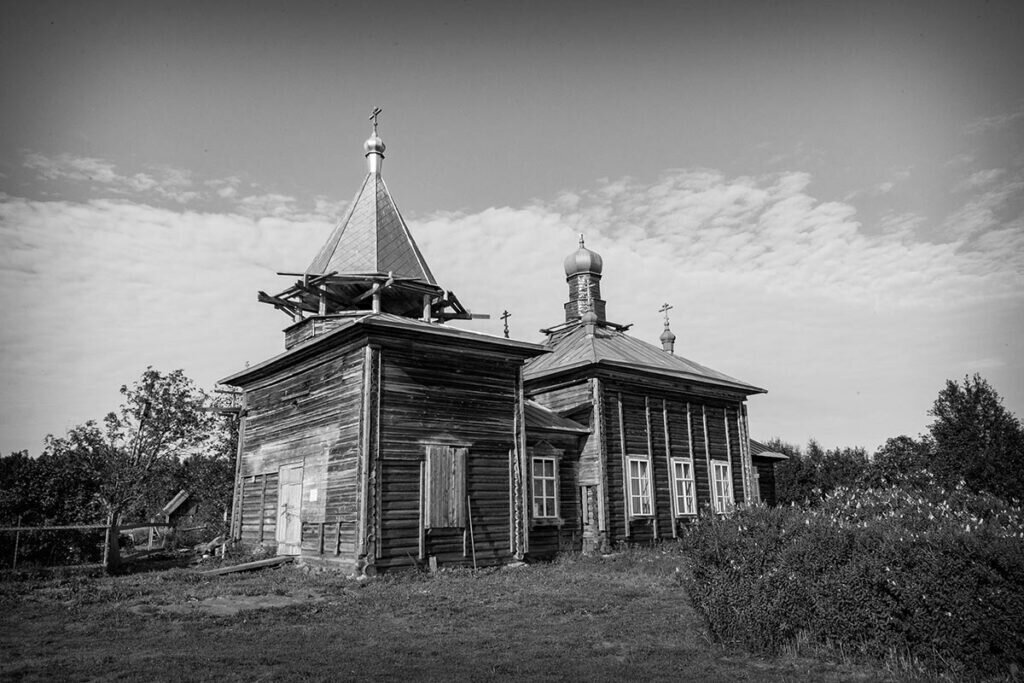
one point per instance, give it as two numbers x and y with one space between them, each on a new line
583 260
667 338
374 145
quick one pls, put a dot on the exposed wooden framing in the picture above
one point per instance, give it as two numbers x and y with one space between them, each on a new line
323 528
421 528
671 475
337 538
650 460
374 291
602 455
293 311
707 457
320 294
625 463
426 308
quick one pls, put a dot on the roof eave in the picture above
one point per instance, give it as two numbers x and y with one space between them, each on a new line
366 323
746 389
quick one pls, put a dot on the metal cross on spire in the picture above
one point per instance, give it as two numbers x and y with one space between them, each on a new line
665 308
505 315
373 117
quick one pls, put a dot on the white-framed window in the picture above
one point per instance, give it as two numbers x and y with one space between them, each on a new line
545 487
683 487
721 485
639 477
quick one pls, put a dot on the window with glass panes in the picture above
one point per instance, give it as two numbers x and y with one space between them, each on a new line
683 487
721 481
640 503
545 488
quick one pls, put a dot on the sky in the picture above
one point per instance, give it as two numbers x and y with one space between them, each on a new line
829 194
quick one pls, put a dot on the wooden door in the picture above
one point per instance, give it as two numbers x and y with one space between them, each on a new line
289 508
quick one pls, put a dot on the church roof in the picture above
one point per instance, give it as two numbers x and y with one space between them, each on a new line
576 348
372 238
395 326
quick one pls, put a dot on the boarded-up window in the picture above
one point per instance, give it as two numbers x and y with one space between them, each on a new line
446 487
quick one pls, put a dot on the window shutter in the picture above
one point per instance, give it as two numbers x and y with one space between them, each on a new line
446 487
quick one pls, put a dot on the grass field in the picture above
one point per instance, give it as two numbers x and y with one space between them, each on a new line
622 617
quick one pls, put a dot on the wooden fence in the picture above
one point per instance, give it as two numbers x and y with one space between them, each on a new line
18 530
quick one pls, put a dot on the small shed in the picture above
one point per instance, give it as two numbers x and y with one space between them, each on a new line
765 461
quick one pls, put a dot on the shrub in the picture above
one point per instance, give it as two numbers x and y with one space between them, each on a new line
937 576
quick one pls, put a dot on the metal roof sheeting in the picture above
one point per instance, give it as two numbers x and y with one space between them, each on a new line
575 348
372 238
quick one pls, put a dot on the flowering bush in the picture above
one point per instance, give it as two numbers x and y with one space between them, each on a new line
937 575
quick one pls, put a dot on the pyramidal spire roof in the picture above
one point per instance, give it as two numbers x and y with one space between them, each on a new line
373 236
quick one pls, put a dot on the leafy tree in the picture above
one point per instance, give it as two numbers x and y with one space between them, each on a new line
209 475
809 474
977 439
901 459
132 459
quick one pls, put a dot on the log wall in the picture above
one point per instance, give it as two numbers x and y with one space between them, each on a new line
444 396
660 425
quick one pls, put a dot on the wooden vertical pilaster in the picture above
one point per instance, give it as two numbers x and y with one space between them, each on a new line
650 464
236 503
728 452
524 470
376 474
263 505
748 464
673 507
707 457
602 455
625 462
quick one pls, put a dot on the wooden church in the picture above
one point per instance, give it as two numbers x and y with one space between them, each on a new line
383 437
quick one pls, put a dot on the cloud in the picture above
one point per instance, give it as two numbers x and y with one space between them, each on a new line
995 122
770 284
165 181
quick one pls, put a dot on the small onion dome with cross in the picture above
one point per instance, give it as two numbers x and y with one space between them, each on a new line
583 260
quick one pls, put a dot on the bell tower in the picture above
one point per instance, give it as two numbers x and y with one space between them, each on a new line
370 264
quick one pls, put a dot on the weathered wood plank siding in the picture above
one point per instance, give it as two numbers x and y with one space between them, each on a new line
566 399
306 414
445 396
548 538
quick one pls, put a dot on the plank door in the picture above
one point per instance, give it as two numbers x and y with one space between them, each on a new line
289 504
